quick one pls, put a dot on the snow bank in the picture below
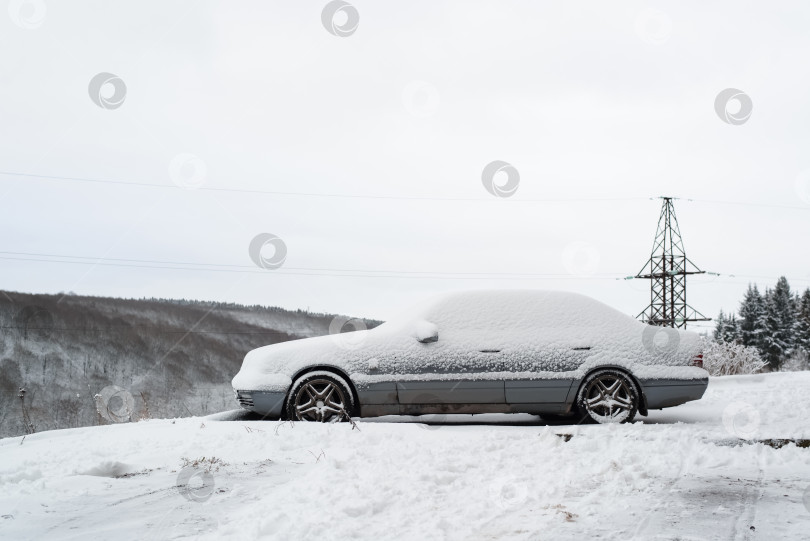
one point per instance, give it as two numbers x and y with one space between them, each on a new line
110 469
672 475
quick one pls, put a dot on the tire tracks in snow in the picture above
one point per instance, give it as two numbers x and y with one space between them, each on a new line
642 532
742 526
750 491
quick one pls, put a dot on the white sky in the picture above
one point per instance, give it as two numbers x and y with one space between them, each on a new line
586 100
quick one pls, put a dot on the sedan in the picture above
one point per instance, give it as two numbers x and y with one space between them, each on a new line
548 353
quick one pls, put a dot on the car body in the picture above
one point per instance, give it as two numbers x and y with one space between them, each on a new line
514 351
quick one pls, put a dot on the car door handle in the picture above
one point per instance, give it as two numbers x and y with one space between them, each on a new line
583 348
489 350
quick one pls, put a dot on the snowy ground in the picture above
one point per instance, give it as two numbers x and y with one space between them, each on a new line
679 474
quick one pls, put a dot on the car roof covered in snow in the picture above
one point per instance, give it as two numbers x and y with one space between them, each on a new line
512 308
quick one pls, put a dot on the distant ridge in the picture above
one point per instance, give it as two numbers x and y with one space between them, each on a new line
170 358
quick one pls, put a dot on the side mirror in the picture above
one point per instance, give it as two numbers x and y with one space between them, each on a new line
426 332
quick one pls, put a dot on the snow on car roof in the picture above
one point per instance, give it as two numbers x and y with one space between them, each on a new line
515 308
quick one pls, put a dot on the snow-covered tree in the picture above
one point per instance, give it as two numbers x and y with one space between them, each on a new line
732 330
729 358
770 346
751 317
726 328
798 360
801 326
778 340
720 327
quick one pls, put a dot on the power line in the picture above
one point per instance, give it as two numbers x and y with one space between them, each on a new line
291 268
729 278
745 203
390 197
320 194
300 271
351 273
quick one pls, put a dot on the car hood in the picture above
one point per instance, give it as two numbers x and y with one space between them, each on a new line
272 367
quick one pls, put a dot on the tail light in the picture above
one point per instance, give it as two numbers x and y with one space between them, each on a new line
697 360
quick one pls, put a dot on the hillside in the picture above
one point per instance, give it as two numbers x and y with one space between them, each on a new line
174 358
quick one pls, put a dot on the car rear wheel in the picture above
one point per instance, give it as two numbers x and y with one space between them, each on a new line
608 396
321 397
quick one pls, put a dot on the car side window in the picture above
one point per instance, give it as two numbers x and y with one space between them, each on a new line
465 317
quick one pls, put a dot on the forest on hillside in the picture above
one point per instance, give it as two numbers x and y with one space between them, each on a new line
776 323
93 360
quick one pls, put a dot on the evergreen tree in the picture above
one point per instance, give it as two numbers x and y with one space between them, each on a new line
732 331
786 308
751 313
761 324
720 327
726 329
778 340
769 323
801 328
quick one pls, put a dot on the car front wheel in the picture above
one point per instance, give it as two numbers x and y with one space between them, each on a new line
608 396
320 396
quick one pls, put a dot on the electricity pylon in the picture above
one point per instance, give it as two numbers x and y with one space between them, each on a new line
667 270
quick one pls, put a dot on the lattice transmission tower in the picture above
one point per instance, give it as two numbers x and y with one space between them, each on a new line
667 270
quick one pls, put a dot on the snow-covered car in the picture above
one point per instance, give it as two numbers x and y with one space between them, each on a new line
539 352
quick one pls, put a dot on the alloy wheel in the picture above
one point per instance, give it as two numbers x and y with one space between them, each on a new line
608 398
319 400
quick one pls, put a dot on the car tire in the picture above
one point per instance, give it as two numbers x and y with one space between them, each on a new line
608 396
320 396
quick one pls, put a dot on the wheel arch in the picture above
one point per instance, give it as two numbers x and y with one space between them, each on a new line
642 403
326 368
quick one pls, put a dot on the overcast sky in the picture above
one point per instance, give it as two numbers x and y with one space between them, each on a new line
363 148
